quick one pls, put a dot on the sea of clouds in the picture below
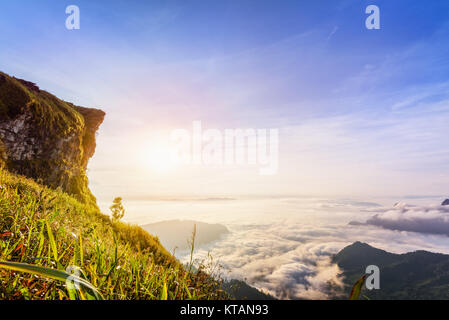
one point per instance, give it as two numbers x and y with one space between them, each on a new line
290 256
423 219
284 246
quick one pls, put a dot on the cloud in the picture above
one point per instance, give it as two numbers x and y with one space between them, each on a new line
334 31
425 219
284 246
306 274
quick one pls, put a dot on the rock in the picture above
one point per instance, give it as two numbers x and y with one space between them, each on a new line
445 202
45 138
30 85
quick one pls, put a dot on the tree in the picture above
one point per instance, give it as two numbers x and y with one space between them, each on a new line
118 211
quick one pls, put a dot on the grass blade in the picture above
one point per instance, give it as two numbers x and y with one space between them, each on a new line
357 288
164 294
51 238
52 274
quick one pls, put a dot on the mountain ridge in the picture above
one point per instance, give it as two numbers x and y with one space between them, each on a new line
413 275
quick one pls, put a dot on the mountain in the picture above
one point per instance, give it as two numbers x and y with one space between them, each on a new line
45 138
413 275
240 290
445 202
177 233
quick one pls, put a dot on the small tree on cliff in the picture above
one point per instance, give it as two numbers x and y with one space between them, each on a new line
118 211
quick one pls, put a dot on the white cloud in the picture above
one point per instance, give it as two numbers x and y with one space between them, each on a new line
285 246
428 219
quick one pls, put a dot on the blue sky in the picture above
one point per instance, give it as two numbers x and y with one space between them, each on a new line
360 111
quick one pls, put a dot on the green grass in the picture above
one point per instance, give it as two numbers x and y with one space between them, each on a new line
43 230
56 116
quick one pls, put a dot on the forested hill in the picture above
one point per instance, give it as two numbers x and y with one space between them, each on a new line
413 275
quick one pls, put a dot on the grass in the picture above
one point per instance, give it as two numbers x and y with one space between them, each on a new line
55 115
43 232
357 288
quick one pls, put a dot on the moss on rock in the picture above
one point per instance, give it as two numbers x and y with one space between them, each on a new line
46 138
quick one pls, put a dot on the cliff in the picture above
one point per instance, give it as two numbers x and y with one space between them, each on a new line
45 138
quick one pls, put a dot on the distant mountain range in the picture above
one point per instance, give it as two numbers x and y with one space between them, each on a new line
414 275
177 233
240 290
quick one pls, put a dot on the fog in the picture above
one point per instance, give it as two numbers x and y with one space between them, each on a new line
283 246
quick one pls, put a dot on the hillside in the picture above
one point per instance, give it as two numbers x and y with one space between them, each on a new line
50 219
122 261
413 275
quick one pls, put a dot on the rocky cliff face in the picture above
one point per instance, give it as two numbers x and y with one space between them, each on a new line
45 138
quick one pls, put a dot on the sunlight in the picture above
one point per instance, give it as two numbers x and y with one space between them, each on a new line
159 159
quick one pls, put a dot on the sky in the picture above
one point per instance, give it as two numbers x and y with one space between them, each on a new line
359 112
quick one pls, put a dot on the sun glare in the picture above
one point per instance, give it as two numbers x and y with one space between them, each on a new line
157 156
159 159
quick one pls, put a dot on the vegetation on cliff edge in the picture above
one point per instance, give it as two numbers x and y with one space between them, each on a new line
56 137
49 228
